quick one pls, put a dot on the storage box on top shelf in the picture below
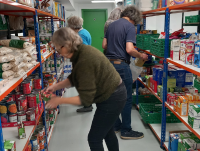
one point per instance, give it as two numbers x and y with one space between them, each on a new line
46 6
56 8
197 54
178 2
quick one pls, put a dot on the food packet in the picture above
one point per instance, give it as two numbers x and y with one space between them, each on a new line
18 73
18 67
6 58
4 51
6 74
5 66
27 60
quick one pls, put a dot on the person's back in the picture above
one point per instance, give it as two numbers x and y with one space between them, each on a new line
118 34
86 37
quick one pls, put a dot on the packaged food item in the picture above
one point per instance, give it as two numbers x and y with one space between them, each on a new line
5 51
16 68
21 130
4 118
177 2
182 99
9 145
19 73
189 58
6 58
46 5
182 108
6 74
12 108
197 54
5 66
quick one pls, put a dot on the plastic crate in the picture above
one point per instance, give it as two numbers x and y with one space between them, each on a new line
145 99
197 84
158 47
152 113
143 40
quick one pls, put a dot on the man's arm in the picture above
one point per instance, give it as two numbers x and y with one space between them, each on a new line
130 49
104 44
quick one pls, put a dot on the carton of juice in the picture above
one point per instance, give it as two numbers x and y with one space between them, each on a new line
191 99
182 99
182 108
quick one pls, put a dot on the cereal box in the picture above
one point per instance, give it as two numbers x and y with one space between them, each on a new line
196 54
182 108
182 99
189 58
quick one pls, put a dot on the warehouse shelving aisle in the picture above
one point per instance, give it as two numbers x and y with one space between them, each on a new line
71 130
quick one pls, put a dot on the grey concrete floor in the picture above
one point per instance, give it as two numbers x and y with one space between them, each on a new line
71 129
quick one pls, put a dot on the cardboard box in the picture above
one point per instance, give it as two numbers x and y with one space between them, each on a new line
174 55
189 58
189 79
194 110
180 80
194 122
9 145
182 109
197 54
182 99
160 76
172 73
178 2
171 82
155 73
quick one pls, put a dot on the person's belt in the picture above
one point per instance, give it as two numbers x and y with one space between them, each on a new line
119 61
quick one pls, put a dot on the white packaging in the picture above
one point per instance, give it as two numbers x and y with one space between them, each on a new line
7 74
189 143
4 51
19 73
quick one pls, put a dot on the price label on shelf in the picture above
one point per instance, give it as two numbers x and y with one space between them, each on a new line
24 77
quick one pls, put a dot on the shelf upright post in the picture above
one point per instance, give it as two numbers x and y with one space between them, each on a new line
37 42
1 138
138 32
25 32
144 23
165 73
8 26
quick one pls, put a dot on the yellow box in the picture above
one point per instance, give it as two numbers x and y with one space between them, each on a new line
182 99
182 108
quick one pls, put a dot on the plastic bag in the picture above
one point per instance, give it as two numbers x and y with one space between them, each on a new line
34 62
5 66
6 58
6 74
18 73
28 66
18 67
5 42
135 70
4 51
27 60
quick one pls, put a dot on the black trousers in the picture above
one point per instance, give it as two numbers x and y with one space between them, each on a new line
104 119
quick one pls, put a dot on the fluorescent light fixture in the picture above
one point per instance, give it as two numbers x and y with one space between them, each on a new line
103 1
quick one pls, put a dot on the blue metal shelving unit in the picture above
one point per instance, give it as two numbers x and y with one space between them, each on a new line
37 41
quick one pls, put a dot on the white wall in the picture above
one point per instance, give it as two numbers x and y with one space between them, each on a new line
79 6
175 22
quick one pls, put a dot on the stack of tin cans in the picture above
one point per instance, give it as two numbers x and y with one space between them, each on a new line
38 139
49 65
50 117
23 103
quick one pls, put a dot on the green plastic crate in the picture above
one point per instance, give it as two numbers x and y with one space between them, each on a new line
197 84
145 99
143 40
158 46
152 113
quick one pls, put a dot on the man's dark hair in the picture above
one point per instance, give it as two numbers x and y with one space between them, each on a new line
132 13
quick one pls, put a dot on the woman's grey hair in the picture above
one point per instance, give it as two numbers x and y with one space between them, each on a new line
75 22
68 38
132 13
115 14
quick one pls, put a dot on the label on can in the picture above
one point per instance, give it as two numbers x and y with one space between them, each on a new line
13 118
21 118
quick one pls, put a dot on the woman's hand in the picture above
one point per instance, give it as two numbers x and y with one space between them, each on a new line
53 103
50 89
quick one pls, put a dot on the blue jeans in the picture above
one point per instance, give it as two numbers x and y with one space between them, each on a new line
125 72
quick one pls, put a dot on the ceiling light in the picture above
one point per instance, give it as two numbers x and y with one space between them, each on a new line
103 1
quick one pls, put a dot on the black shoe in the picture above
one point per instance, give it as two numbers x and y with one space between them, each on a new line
132 135
85 109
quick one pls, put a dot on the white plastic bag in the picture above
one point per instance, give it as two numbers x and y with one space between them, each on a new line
135 70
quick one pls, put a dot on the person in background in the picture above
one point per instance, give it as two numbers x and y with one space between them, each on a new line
119 41
96 81
76 24
114 15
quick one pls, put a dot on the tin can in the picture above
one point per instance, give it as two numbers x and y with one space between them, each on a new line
3 107
40 133
12 108
37 83
32 101
17 96
22 103
26 87
21 116
172 98
51 111
30 115
52 68
29 147
34 141
48 64
4 118
18 88
52 63
13 118
41 144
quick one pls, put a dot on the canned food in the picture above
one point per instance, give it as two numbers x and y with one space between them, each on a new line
17 96
22 103
10 97
32 101
28 148
13 118
41 144
48 64
40 133
52 63
52 68
37 83
30 115
21 116
18 88
12 108
12 94
3 107
34 141
26 87
4 118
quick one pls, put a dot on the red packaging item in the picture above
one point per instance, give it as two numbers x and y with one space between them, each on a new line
26 87
172 98
155 86
37 83
32 102
22 103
